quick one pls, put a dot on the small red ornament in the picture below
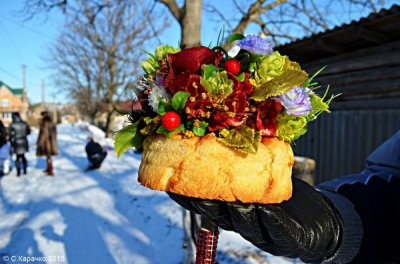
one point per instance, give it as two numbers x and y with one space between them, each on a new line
232 66
171 120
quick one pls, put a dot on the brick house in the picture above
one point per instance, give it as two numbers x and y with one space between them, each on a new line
12 100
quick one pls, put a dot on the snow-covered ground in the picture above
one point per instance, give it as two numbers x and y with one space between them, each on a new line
102 216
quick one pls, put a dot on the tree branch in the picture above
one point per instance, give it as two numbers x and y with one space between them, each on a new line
253 13
173 8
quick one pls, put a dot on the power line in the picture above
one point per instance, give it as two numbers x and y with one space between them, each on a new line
10 40
28 28
32 84
11 74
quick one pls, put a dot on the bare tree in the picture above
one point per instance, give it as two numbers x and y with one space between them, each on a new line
96 60
282 20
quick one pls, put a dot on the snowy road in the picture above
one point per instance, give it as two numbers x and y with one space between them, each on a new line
101 216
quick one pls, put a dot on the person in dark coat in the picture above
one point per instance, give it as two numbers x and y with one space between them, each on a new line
5 151
19 130
351 219
47 141
95 154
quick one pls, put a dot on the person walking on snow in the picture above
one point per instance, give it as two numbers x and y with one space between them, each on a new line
5 151
47 141
19 130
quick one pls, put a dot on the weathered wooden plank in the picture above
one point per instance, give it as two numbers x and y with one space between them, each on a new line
363 63
369 75
392 85
380 103
389 47
347 138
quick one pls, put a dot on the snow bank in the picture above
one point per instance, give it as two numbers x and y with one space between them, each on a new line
102 216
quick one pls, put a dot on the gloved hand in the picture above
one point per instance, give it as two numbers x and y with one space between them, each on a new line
307 226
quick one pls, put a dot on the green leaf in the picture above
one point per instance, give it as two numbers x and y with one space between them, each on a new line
162 130
291 76
218 84
241 77
235 37
209 70
148 53
241 137
201 130
253 148
179 100
137 141
124 138
221 36
148 120
318 104
164 107
309 80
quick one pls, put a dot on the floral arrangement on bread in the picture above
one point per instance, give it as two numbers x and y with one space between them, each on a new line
217 124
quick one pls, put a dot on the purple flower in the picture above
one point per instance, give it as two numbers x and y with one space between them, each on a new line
256 44
296 101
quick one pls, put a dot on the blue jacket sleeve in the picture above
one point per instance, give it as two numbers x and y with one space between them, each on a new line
369 205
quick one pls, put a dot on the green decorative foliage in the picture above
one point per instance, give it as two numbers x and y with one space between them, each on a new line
127 137
201 130
162 130
242 137
148 120
309 81
269 67
163 51
273 81
151 65
218 84
209 70
151 125
179 100
235 37
241 77
164 107
291 127
253 148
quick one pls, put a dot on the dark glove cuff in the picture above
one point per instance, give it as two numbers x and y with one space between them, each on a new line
352 229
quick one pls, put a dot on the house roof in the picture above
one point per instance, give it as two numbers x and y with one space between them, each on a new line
373 30
15 91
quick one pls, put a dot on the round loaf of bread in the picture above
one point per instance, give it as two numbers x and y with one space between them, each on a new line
206 168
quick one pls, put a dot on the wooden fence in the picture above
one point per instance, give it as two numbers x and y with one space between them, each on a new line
341 141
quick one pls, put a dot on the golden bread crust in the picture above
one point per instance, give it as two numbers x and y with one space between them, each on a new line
208 169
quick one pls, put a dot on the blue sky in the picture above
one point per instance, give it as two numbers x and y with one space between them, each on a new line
27 43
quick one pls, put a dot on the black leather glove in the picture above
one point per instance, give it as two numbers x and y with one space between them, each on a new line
307 226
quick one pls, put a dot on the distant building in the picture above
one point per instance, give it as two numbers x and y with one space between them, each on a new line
12 100
55 110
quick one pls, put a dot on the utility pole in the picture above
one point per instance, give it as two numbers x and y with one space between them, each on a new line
43 97
24 110
23 77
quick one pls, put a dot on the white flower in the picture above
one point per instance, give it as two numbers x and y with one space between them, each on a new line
234 51
157 94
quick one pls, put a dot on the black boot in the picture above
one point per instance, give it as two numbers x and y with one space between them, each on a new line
18 167
24 163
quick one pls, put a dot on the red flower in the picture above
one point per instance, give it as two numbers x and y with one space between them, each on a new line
188 62
186 82
265 117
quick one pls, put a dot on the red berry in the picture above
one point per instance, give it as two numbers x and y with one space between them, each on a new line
171 120
232 66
